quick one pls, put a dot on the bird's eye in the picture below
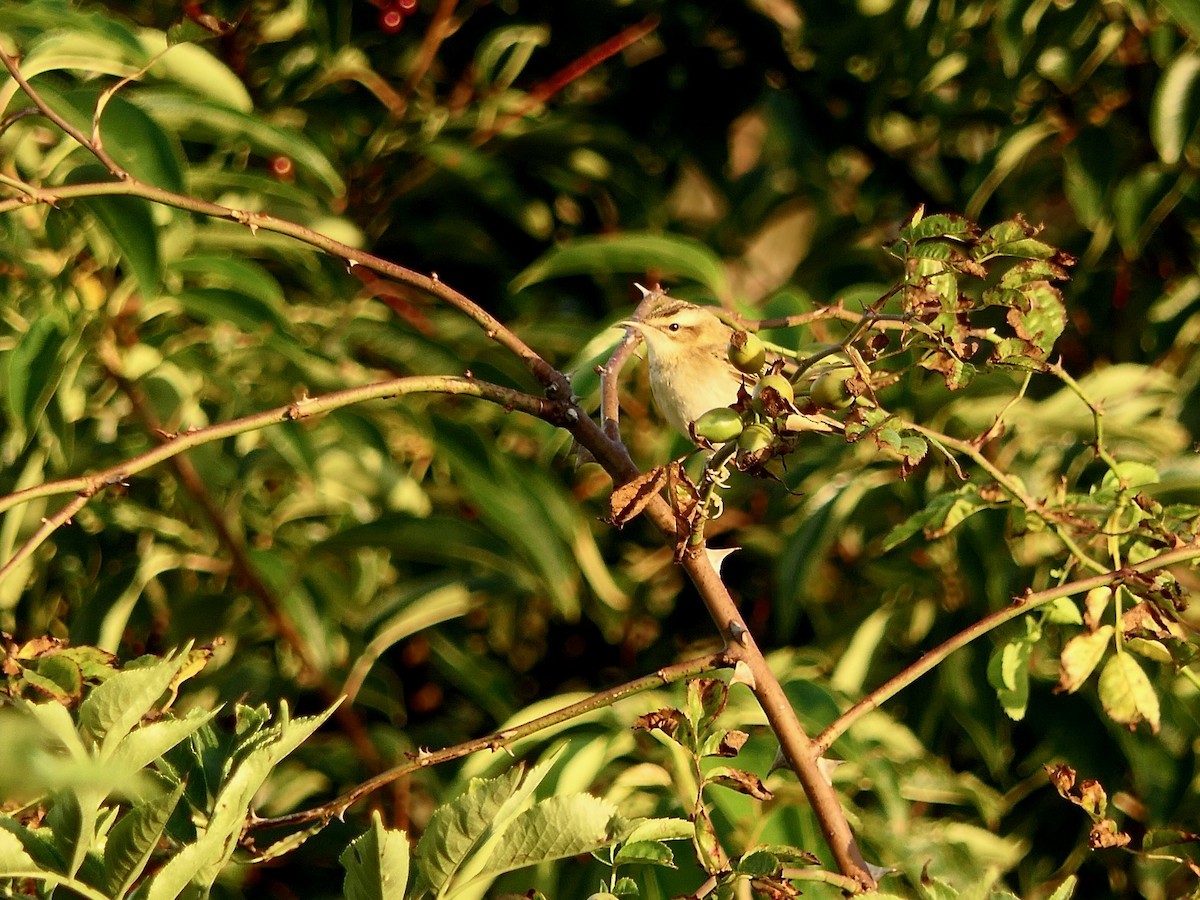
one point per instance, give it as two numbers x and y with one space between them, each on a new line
674 326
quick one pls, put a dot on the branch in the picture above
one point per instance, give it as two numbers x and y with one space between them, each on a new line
425 759
345 714
1014 489
87 486
560 409
1019 607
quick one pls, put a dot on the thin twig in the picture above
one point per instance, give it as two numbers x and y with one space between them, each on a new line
425 759
435 33
1020 606
1015 490
78 136
89 485
345 714
610 372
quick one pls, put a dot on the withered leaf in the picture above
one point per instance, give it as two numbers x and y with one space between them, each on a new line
629 499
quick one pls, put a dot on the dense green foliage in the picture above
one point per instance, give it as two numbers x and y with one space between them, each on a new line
446 562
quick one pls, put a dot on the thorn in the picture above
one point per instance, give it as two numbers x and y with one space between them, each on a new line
646 292
827 767
743 675
779 762
738 632
716 557
878 872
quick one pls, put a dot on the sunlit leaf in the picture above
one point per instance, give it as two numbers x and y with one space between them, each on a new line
634 254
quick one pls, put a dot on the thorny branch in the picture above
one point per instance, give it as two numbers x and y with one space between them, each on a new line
563 409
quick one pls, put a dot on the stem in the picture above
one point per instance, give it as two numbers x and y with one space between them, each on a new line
561 409
1020 606
498 739
1031 504
87 486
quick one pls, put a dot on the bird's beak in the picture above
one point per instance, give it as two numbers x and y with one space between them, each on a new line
639 327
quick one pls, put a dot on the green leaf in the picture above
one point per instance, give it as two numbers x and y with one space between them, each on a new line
944 513
1186 15
461 829
33 371
1175 108
113 708
202 120
198 864
505 52
1127 694
664 829
137 143
376 863
147 743
631 253
1065 890
14 860
650 853
234 273
1089 171
557 827
939 225
198 70
757 864
1137 199
134 838
1008 674
1016 150
129 224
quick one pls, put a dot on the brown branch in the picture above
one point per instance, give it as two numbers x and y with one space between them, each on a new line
348 719
48 527
610 397
424 759
561 409
89 485
1020 606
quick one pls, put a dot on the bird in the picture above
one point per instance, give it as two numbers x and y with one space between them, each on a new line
688 360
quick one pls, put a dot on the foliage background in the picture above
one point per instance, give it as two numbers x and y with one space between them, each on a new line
458 543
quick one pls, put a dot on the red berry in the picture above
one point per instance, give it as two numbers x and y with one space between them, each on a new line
406 5
391 20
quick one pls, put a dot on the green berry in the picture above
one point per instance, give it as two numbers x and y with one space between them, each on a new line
746 352
773 395
756 438
829 390
719 425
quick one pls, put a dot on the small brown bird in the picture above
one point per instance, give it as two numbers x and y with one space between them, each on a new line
688 358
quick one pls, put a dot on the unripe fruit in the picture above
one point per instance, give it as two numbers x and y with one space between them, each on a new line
773 395
719 425
746 352
829 391
604 896
755 438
